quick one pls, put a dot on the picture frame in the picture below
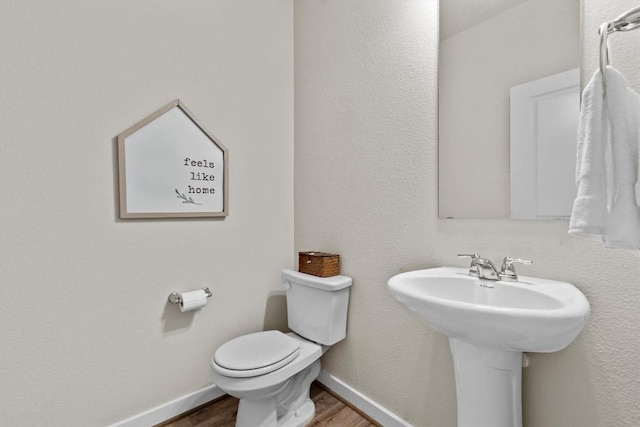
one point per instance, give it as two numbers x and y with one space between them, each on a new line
171 167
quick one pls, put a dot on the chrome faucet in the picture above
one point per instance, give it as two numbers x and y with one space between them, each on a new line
473 268
481 268
484 268
508 270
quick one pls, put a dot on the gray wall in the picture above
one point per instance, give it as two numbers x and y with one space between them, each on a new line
366 187
87 336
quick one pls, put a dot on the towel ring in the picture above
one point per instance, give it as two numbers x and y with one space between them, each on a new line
628 21
605 59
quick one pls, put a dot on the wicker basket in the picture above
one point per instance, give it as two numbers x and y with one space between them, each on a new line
319 264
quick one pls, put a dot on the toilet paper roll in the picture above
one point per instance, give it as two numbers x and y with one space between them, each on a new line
193 300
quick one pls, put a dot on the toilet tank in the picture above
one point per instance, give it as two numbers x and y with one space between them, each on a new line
317 306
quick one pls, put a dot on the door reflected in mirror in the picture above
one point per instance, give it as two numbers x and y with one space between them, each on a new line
489 50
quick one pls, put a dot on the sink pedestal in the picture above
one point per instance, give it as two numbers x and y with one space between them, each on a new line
488 385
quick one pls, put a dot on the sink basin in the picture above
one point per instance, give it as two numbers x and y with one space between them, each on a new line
489 324
534 315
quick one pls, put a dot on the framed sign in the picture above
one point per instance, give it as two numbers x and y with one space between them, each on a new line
170 167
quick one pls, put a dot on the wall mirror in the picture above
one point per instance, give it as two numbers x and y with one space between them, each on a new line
509 94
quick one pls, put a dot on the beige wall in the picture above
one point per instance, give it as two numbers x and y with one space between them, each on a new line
87 336
366 187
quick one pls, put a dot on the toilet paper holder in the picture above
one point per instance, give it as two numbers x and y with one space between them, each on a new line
176 298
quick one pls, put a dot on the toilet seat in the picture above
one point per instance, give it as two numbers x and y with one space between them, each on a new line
255 354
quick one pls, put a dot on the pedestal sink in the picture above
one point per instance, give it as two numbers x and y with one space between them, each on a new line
489 324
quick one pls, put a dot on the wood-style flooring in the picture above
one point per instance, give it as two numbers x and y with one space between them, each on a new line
330 412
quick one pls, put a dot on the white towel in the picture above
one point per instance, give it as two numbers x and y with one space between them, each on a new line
623 107
589 216
606 207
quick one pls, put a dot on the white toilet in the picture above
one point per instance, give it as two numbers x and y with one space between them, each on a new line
271 372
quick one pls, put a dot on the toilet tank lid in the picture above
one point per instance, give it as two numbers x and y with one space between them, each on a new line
333 283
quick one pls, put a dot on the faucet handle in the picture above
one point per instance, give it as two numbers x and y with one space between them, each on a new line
473 269
508 270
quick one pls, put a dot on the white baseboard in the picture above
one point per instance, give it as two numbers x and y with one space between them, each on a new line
185 403
358 400
171 409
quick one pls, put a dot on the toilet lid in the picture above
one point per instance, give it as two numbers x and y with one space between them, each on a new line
256 354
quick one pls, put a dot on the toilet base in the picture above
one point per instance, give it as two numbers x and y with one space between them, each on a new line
290 406
263 413
300 417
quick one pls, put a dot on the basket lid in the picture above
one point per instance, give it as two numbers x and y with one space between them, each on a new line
318 254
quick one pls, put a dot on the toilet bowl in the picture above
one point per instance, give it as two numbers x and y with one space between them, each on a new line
271 372
266 398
